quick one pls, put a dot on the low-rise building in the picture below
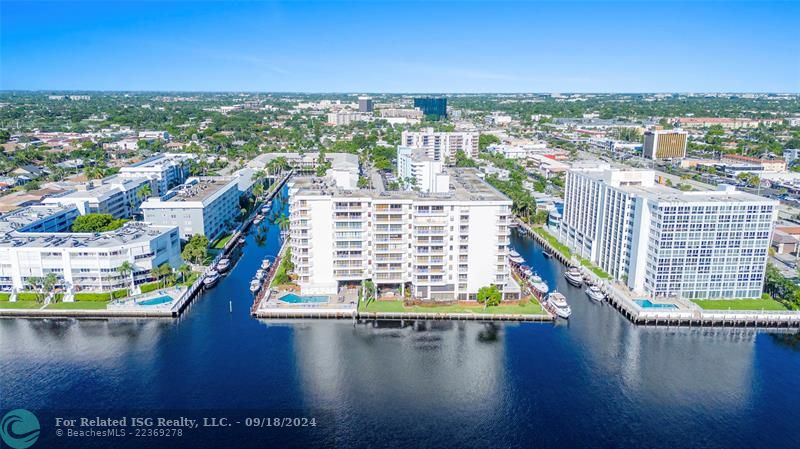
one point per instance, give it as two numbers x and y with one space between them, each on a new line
203 205
114 195
165 170
35 241
767 165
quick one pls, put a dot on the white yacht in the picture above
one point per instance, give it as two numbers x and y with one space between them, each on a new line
255 286
513 253
223 265
259 275
595 293
211 279
557 304
574 276
516 259
265 264
538 284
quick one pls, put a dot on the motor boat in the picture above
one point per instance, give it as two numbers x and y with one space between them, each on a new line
574 276
257 220
265 208
557 303
223 265
513 253
547 254
517 259
242 240
255 286
595 293
265 264
211 279
259 275
538 284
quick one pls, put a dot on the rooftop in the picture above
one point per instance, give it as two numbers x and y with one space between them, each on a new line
465 185
131 232
196 189
25 216
642 183
342 161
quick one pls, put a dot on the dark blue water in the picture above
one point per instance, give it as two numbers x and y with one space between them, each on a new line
597 381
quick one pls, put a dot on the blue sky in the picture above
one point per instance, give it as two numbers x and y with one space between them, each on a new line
400 46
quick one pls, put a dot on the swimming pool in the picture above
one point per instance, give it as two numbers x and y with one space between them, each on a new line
646 304
155 301
297 299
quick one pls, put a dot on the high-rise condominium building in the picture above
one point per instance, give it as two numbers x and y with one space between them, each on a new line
419 172
442 146
665 144
434 107
365 104
665 242
437 246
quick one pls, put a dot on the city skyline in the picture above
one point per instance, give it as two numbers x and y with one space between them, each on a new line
345 47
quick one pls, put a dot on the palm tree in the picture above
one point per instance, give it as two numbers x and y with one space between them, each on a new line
144 191
165 270
185 271
126 269
155 273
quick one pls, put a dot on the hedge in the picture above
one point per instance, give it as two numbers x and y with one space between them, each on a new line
92 296
149 287
27 296
5 296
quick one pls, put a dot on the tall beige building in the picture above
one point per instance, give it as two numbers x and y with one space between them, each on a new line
665 144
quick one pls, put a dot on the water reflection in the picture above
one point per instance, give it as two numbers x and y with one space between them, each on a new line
418 363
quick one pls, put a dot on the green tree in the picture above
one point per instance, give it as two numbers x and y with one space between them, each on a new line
489 295
484 140
97 223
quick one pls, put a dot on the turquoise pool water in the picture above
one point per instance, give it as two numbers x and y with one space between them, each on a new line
297 299
156 301
646 304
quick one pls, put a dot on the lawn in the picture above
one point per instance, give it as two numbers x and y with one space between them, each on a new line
397 306
20 305
220 243
79 305
560 247
765 303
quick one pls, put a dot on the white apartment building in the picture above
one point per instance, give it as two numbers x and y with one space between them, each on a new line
346 118
665 242
164 171
438 246
114 195
35 241
442 146
420 172
203 205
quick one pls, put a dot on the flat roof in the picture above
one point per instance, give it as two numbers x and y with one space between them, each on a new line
657 192
197 189
25 216
132 232
338 160
465 185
